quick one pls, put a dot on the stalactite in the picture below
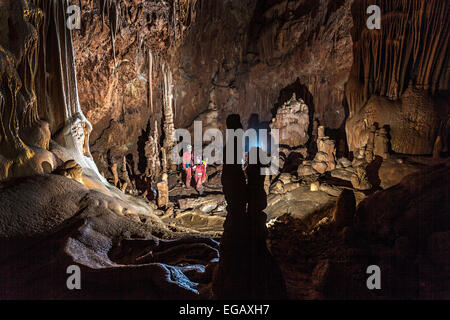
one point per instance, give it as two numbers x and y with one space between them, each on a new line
168 107
69 126
29 64
150 79
111 9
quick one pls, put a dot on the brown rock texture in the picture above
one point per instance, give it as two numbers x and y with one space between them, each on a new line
399 76
119 56
292 121
247 56
222 59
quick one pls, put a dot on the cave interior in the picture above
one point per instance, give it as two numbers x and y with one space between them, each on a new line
347 110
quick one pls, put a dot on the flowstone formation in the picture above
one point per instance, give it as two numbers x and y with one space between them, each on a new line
399 76
39 82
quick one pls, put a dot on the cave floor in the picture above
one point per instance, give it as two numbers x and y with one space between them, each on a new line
50 221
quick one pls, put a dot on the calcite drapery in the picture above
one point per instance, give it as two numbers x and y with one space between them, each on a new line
18 67
38 80
398 72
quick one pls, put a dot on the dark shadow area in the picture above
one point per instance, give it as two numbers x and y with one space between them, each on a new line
292 162
246 268
142 163
373 172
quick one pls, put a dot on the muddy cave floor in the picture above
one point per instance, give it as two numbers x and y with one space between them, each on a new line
49 222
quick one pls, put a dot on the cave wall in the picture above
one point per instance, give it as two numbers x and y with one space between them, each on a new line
226 57
120 52
250 56
400 75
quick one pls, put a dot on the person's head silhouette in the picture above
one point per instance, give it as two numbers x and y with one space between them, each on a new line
234 122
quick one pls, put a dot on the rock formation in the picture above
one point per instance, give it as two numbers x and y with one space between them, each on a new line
41 83
163 192
325 159
359 180
152 154
381 143
243 73
292 119
400 85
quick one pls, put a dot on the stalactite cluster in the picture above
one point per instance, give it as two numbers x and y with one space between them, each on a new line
410 48
38 81
399 78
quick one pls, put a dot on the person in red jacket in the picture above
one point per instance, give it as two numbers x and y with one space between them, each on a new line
200 174
188 165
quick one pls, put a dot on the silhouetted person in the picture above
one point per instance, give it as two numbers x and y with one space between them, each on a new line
266 279
233 177
246 268
231 278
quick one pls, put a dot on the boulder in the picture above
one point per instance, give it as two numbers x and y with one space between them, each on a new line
360 180
343 174
344 210
305 171
315 186
331 190
320 167
344 162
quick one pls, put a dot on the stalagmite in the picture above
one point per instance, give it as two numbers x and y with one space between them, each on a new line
152 154
381 143
292 119
115 174
163 192
369 152
124 172
325 159
164 160
437 149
